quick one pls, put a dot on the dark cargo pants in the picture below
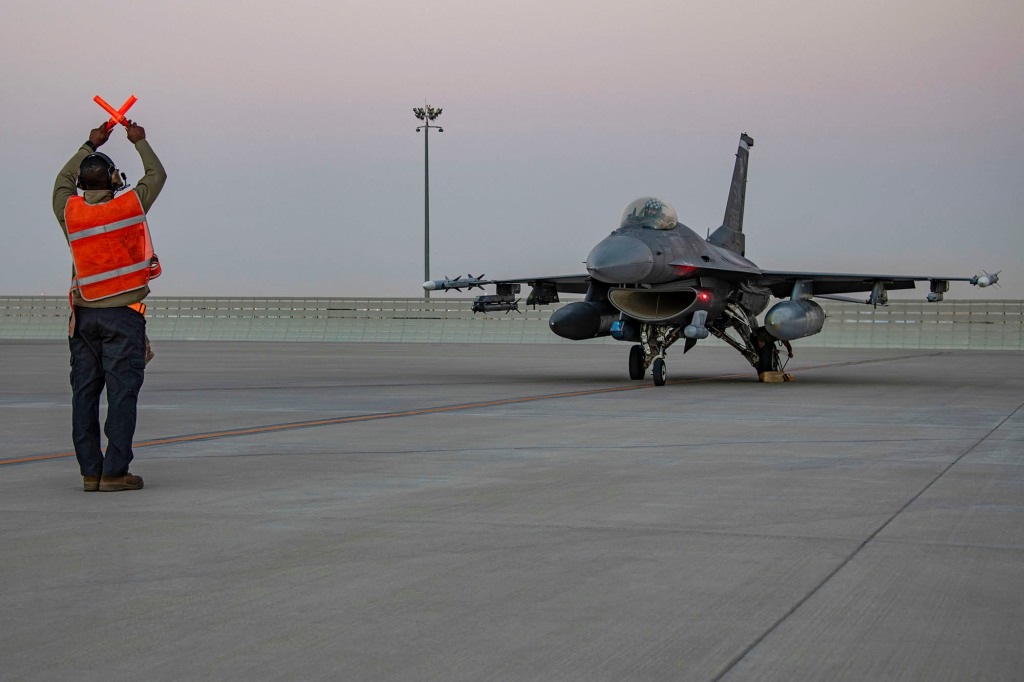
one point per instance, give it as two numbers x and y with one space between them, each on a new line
108 350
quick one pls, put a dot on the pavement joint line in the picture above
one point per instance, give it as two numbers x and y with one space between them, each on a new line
273 428
630 447
857 550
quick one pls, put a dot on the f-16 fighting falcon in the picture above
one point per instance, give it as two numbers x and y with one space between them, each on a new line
654 281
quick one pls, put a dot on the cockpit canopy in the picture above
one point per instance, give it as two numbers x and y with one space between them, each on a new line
649 212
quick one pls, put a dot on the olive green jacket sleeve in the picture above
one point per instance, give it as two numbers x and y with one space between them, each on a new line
152 181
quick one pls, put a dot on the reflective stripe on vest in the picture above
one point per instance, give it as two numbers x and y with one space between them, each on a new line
110 246
103 229
110 274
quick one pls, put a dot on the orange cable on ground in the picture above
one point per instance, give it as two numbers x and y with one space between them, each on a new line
270 428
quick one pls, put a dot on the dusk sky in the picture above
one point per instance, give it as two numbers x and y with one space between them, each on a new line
889 136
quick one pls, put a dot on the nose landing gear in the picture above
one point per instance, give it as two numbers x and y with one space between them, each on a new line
650 352
659 371
638 362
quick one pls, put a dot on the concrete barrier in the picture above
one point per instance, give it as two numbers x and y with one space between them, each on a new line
991 325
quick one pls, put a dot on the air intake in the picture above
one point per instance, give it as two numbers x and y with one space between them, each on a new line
653 306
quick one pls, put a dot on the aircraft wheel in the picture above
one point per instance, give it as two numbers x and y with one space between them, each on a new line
636 363
659 371
767 359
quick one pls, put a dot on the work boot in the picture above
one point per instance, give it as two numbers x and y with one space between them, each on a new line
109 484
90 484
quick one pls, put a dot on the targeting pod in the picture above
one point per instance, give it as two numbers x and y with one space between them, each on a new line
505 300
495 304
696 329
938 287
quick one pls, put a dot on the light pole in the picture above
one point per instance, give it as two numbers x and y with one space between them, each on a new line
426 113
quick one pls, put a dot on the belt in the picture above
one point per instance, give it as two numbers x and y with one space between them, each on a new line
138 307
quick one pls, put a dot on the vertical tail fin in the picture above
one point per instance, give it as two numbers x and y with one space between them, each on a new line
730 234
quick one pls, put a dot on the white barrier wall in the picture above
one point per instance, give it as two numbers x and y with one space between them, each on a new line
995 325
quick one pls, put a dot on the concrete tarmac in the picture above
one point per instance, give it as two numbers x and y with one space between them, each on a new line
430 512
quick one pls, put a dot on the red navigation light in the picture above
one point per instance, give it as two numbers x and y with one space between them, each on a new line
704 296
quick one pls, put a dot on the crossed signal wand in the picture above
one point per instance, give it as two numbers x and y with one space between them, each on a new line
116 115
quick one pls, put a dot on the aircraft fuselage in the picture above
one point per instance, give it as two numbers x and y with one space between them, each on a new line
636 255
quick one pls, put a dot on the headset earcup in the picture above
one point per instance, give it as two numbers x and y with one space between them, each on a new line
117 180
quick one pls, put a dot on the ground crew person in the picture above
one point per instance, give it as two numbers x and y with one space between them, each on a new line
112 265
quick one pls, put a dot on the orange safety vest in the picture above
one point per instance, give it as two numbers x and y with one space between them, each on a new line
110 246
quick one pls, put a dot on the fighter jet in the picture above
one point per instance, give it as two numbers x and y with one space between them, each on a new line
654 281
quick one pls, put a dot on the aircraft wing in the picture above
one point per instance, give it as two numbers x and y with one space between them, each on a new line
781 283
826 284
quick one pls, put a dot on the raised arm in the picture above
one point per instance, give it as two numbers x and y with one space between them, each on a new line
154 176
65 185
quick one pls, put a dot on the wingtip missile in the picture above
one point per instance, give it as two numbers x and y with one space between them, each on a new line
468 281
985 280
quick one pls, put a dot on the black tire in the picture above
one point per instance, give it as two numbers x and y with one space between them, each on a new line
659 371
636 363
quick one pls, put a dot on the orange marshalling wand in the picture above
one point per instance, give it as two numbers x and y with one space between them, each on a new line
116 115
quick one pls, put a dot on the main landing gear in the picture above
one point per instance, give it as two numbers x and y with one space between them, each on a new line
737 327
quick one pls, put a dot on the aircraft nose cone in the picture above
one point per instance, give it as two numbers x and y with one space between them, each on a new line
620 259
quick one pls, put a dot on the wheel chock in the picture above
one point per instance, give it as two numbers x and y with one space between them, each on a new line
775 377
